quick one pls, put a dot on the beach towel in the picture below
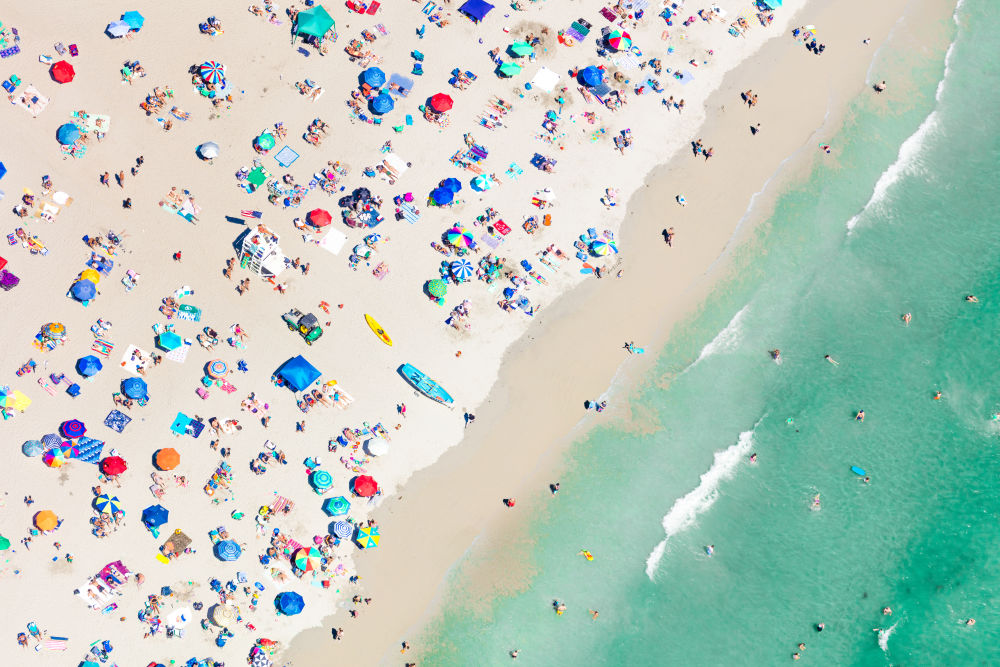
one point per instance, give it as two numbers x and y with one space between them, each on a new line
117 421
608 14
179 355
409 212
491 241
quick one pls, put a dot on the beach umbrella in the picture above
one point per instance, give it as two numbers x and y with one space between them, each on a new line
321 480
83 290
307 559
437 288
69 451
113 465
223 615
342 529
14 399
135 388
217 368
362 194
265 142
32 448
336 506
509 68
134 20
91 275
73 428
62 72
619 40
168 341
212 72
367 537
228 550
88 365
377 446
319 218
289 603
118 28
458 237
209 150
167 458
314 22
480 183
155 516
374 77
442 196
365 486
46 520
3 170
452 184
441 102
54 458
603 247
462 269
4 543
591 76
51 440
106 504
382 104
53 330
67 134
260 659
520 49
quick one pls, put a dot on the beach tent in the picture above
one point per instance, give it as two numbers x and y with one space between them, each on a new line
228 550
67 134
88 365
135 388
441 102
117 28
591 76
476 9
4 543
336 506
46 520
169 341
155 516
208 150
442 196
289 603
314 22
509 68
298 373
134 19
62 72
520 49
382 104
167 458
374 77
367 537
364 486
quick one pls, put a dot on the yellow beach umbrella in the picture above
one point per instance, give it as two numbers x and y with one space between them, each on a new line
91 275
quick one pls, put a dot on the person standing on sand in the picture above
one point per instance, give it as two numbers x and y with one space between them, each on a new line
668 237
121 178
879 87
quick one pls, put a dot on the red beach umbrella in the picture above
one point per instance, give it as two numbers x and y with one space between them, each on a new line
62 72
113 465
320 218
442 102
365 486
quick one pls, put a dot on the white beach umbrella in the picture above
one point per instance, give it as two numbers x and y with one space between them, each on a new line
377 447
209 150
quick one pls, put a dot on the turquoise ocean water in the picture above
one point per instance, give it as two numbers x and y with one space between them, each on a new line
904 217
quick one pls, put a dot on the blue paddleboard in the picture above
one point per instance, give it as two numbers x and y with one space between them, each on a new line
858 471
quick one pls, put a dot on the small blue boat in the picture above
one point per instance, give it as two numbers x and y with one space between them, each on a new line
425 385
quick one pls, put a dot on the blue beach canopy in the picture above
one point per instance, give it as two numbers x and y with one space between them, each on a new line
289 603
134 20
88 365
591 76
442 196
67 134
476 9
382 104
298 373
135 388
374 77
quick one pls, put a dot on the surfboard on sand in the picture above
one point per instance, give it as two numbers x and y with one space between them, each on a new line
379 331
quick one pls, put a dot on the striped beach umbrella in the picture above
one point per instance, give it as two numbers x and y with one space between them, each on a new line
307 559
106 504
336 506
463 269
342 529
367 537
321 480
437 288
602 248
73 428
223 615
212 72
228 550
69 451
50 440
217 368
53 458
459 237
619 40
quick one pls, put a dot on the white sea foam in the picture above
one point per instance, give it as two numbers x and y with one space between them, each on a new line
685 510
726 339
883 636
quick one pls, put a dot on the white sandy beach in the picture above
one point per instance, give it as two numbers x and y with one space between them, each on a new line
263 67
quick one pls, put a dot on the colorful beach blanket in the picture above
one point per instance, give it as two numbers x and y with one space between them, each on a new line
117 421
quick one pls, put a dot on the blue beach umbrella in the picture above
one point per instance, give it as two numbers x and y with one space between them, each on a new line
169 341
88 365
3 170
118 28
106 504
135 388
73 428
442 196
480 183
374 77
51 440
32 448
228 550
67 134
336 506
321 480
452 184
462 269
83 290
134 20
342 529
382 104
155 516
591 76
289 603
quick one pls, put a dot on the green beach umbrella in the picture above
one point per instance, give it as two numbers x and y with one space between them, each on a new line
265 141
314 22
437 288
521 49
510 68
4 543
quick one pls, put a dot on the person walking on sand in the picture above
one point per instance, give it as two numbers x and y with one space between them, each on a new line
121 178
106 179
668 237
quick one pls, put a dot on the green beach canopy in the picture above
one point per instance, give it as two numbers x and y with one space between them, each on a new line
521 49
314 22
257 177
509 68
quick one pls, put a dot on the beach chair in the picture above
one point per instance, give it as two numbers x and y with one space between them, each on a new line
418 69
418 56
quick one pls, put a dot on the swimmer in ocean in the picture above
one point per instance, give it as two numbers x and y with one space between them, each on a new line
710 550
820 627
860 416
816 503
776 355
887 611
593 614
971 621
832 360
906 318
972 298
937 396
753 458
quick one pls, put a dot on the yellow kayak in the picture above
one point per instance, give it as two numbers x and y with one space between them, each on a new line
379 331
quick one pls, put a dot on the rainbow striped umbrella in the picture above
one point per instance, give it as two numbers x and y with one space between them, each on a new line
619 40
459 237
307 559
602 248
217 368
106 504
212 72
462 269
53 458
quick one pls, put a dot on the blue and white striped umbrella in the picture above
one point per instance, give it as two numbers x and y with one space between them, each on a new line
227 550
343 530
462 269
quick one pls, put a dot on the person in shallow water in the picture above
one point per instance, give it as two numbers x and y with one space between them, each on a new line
860 416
